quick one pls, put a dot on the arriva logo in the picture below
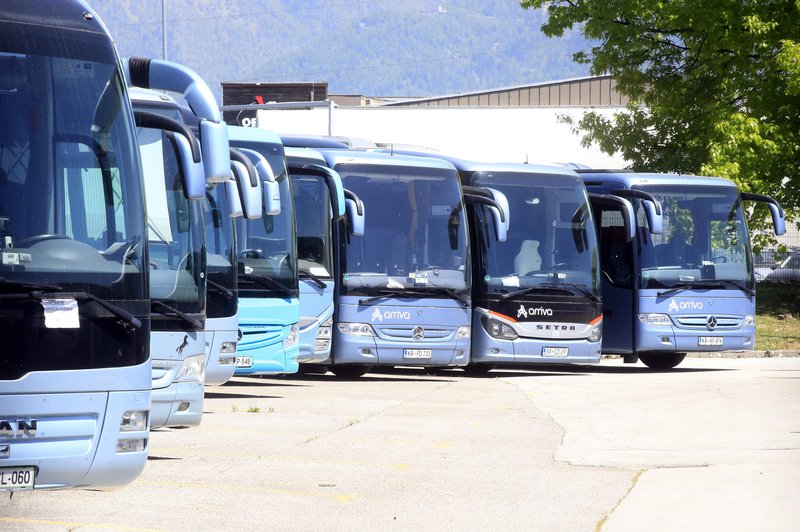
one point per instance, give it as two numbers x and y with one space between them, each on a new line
390 315
674 306
524 312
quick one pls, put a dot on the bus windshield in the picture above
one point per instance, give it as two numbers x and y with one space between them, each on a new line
175 233
538 253
312 202
267 248
415 235
705 239
70 200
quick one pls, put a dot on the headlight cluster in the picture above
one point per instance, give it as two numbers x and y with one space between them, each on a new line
465 331
291 340
498 329
357 329
323 339
193 368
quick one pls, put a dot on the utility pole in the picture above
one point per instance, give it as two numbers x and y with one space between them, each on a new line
164 30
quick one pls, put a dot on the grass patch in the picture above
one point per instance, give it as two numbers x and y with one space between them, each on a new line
778 316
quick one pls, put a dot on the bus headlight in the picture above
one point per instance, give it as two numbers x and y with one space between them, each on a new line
465 331
749 320
357 329
651 318
498 329
192 369
131 446
291 340
133 421
323 339
597 333
227 354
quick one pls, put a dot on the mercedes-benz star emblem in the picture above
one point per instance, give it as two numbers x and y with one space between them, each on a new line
711 323
418 333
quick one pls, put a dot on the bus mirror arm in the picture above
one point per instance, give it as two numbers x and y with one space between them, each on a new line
500 223
355 213
652 207
775 208
626 208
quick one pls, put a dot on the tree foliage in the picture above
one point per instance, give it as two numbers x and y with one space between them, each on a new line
714 86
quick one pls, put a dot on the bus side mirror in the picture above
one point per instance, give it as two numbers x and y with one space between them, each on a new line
216 151
194 183
272 198
778 216
232 190
271 194
655 219
501 216
336 189
355 217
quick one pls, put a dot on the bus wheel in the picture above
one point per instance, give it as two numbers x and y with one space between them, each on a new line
349 371
476 370
661 360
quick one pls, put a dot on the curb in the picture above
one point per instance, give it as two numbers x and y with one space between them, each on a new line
777 353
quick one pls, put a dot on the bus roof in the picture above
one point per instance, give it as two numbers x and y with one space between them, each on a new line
335 157
630 179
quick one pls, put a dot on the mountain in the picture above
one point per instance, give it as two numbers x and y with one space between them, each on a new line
370 47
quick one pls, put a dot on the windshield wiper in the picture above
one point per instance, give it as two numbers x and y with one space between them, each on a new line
129 319
389 292
219 288
555 286
306 274
708 285
195 324
268 282
25 287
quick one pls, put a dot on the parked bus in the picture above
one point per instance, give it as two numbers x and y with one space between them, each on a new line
686 286
403 284
177 273
74 296
269 304
536 295
319 203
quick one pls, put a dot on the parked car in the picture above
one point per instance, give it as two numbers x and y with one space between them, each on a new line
787 270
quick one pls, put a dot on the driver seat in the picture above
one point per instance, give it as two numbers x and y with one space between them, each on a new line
528 258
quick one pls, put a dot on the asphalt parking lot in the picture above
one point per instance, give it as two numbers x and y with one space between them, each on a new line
711 445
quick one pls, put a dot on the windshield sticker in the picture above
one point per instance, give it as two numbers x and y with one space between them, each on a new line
393 283
512 281
674 306
60 313
319 271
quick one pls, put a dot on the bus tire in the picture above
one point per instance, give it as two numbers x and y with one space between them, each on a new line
477 370
661 360
349 371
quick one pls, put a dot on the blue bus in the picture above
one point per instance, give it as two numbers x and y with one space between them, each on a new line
177 272
685 286
269 304
402 294
319 203
74 293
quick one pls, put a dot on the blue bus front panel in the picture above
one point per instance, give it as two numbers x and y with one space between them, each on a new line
688 321
76 439
178 359
222 334
269 341
316 315
401 332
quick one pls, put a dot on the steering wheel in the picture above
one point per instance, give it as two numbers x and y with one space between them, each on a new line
250 253
719 259
35 239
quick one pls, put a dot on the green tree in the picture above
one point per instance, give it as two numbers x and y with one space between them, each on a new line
714 86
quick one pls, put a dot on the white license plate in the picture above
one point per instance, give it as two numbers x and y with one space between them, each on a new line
709 340
16 478
555 352
244 362
417 353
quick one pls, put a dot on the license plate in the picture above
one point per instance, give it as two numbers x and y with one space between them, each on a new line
16 478
555 352
244 362
709 340
417 353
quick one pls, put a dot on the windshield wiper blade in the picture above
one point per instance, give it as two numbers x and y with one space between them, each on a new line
388 292
26 287
308 275
706 285
195 324
268 282
219 288
555 286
